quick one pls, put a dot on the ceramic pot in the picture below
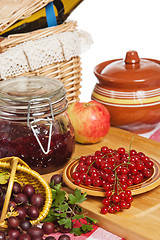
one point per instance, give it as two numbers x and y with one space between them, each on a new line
130 89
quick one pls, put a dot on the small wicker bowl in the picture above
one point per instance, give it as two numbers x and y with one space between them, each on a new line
22 173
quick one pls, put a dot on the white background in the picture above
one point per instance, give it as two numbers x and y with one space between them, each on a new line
116 26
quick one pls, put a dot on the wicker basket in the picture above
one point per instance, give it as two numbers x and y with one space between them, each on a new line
22 173
69 72
13 10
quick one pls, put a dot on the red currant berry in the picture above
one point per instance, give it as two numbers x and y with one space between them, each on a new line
132 165
84 177
97 182
82 169
128 192
110 152
145 159
123 160
117 155
95 157
92 170
75 175
106 201
124 170
111 161
99 161
122 195
137 179
123 176
77 181
140 166
126 156
129 182
99 153
118 169
108 193
133 152
107 170
121 150
137 158
128 205
134 171
81 164
88 181
123 180
104 149
89 160
105 165
149 164
111 210
111 178
107 186
124 186
94 175
129 199
141 155
104 210
123 204
103 182
105 176
83 158
133 159
115 198
147 173
117 208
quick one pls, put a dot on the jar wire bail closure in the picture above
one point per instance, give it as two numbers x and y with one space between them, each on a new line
33 124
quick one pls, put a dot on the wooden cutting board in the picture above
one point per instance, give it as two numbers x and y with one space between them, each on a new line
142 220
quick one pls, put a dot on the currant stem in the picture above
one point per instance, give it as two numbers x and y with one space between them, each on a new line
130 145
121 165
109 154
90 166
116 183
129 151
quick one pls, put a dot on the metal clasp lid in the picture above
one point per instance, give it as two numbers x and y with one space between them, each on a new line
33 124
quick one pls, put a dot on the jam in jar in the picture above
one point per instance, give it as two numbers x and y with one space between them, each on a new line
34 123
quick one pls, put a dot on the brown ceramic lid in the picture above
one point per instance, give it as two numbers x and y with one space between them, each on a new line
129 73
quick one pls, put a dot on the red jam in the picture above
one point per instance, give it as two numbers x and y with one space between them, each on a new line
19 140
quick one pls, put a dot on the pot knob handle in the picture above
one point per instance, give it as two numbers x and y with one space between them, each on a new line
132 57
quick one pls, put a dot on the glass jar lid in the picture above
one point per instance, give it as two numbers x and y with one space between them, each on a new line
27 97
23 89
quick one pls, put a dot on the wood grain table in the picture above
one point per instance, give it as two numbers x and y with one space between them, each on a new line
142 220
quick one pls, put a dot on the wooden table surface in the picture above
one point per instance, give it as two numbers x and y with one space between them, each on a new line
142 220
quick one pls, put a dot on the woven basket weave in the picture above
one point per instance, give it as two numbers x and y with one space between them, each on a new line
22 173
69 72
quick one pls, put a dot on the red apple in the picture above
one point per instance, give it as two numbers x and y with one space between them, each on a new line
91 121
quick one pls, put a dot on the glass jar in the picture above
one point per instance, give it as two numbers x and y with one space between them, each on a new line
34 123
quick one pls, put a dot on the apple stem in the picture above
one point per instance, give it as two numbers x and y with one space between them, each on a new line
86 104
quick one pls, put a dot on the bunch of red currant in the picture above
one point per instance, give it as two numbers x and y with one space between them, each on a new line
114 171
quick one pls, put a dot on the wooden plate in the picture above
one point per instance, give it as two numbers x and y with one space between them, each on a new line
143 187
